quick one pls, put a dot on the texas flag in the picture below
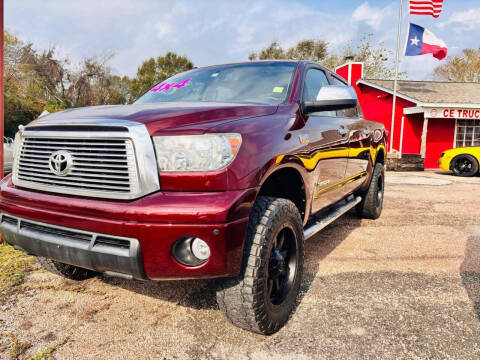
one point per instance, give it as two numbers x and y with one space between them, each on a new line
422 41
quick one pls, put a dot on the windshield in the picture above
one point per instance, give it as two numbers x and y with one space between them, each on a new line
261 83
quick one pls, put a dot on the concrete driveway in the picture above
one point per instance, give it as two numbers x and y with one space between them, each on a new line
404 286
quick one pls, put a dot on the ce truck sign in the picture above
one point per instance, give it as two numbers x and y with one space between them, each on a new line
452 113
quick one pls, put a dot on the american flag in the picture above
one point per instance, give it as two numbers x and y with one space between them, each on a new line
426 7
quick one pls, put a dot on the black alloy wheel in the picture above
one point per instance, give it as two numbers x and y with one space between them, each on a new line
372 199
281 266
380 183
263 297
465 165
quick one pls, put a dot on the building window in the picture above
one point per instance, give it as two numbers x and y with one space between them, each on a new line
468 133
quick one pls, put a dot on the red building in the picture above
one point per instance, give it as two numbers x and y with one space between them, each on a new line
430 116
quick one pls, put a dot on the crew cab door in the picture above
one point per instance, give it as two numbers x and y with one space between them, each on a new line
359 146
327 154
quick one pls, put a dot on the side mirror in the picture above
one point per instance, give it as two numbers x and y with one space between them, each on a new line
333 97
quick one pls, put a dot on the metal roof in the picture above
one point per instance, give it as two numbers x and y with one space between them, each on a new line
431 92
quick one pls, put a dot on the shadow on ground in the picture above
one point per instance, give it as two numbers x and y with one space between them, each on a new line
200 294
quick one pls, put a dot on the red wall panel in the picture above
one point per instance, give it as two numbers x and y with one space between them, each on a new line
377 106
343 72
412 134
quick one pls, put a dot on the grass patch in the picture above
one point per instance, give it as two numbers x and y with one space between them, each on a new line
17 348
48 353
14 265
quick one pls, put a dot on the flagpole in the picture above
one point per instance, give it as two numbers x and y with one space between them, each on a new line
400 12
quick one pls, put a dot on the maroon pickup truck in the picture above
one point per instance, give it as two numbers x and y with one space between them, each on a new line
218 172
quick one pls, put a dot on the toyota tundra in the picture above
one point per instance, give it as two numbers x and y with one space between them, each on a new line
218 172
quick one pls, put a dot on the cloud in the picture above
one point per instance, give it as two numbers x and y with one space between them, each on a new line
374 17
467 20
209 32
212 31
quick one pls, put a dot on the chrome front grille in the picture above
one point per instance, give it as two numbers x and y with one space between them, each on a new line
98 164
86 163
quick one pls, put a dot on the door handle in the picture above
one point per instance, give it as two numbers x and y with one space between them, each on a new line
342 131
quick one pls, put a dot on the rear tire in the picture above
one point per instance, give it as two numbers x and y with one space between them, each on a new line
372 200
264 295
68 271
464 165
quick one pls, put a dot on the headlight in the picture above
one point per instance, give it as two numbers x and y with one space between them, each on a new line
208 152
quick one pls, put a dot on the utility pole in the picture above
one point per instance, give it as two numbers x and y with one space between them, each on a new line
1 95
392 126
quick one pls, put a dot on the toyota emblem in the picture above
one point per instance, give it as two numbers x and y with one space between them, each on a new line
60 162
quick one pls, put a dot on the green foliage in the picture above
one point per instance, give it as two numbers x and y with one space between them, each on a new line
154 71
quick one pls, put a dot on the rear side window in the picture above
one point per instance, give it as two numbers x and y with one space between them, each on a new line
346 113
338 82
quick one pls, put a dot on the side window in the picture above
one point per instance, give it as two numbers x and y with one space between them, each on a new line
314 80
349 113
338 82
346 113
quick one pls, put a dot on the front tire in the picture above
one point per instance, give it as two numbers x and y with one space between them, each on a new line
65 270
264 295
465 165
372 200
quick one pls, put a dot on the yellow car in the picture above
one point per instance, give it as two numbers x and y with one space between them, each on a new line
462 161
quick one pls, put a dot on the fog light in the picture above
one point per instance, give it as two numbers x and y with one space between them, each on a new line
200 249
191 251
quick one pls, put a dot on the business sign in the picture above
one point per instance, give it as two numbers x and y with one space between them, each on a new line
452 113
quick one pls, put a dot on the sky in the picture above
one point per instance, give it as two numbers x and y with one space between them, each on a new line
219 31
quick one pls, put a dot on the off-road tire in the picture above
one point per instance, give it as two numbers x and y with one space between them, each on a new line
68 271
245 299
372 200
464 157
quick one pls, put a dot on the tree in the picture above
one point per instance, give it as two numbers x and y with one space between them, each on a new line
19 106
376 58
461 67
154 71
37 81
315 50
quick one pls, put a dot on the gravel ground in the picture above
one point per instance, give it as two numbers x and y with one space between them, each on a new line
404 286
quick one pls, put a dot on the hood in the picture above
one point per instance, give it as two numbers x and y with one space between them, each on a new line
162 116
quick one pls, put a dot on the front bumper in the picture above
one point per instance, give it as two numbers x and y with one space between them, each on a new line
444 163
155 222
94 251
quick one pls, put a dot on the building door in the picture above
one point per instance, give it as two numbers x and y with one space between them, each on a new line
440 137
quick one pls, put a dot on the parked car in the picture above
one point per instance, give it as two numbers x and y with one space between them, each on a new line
218 172
7 154
461 161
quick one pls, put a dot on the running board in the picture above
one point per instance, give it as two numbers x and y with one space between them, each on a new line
330 217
